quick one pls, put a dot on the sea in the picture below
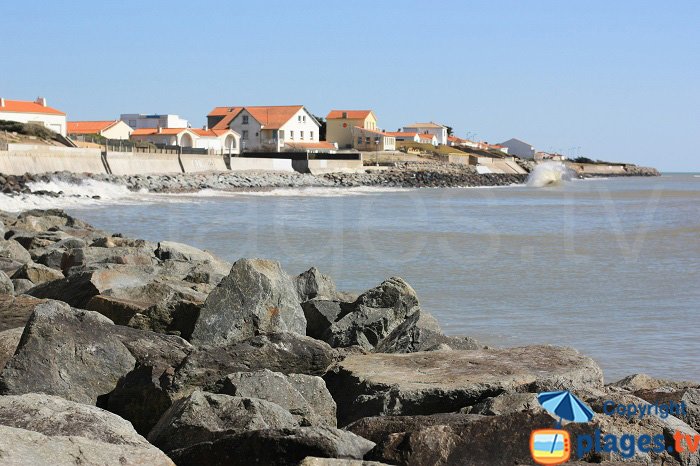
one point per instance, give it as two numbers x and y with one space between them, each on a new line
608 266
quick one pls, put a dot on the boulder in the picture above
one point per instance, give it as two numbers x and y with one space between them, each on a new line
445 381
13 252
506 403
22 285
90 360
15 310
37 273
9 339
315 461
690 397
66 352
287 353
206 417
274 447
409 337
256 297
373 316
304 396
44 220
636 382
170 250
81 259
32 240
6 285
313 284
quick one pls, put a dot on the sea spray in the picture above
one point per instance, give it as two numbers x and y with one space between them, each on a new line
549 174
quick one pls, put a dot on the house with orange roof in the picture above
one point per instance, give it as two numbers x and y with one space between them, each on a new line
340 124
109 129
224 141
37 112
142 120
267 128
372 140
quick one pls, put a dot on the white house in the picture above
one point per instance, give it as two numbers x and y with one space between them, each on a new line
267 128
110 129
440 131
519 148
225 141
37 112
140 120
428 139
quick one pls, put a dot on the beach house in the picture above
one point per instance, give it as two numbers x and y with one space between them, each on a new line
267 128
340 124
109 129
37 112
440 131
140 120
519 148
220 141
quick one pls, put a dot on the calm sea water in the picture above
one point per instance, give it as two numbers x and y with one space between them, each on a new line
609 266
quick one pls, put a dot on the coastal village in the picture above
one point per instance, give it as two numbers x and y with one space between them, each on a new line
253 137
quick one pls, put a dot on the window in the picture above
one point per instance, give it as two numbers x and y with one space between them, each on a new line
359 140
244 136
367 140
132 123
301 135
291 135
303 118
311 135
281 133
245 119
299 118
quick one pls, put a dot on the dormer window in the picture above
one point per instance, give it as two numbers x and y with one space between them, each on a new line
245 119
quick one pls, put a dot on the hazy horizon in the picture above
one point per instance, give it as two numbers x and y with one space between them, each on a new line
613 81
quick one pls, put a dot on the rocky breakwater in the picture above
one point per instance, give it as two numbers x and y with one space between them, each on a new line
404 174
120 351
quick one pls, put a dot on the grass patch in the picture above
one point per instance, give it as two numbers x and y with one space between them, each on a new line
27 129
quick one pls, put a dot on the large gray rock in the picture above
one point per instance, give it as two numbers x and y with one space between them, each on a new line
22 285
182 252
373 316
12 250
9 339
274 447
15 310
637 382
66 352
445 381
287 353
6 285
44 220
82 356
690 397
206 417
37 273
313 284
32 240
256 297
304 396
76 260
44 429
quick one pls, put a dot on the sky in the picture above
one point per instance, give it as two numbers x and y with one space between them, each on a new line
610 80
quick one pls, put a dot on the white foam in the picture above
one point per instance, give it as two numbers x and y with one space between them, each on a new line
549 174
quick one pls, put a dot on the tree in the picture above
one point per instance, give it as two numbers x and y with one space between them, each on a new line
450 130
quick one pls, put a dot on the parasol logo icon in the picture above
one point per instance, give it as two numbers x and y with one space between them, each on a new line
553 446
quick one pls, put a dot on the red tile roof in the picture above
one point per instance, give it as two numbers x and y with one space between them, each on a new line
90 127
311 145
152 131
427 136
23 106
270 117
351 114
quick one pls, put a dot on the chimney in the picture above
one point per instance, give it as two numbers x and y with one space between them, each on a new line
41 101
345 114
205 127
160 129
2 102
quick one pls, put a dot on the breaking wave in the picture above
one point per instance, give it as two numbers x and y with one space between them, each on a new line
549 174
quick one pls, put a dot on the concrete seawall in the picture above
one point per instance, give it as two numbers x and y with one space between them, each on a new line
319 167
139 163
192 163
250 163
36 159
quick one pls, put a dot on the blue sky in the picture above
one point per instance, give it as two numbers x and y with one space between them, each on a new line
614 80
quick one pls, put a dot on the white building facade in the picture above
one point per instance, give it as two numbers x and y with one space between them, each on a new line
37 112
140 120
440 131
519 148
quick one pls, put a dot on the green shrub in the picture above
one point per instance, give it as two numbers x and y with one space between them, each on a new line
27 129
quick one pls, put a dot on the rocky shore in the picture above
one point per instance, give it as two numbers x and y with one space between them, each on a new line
121 351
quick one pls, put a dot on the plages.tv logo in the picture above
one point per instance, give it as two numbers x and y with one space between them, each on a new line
553 446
